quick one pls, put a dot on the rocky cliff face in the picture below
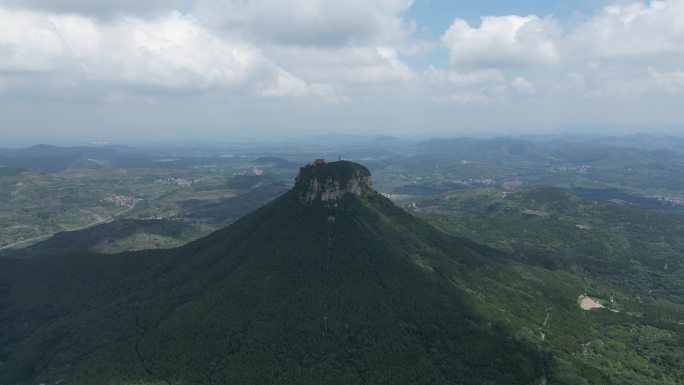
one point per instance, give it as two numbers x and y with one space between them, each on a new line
329 182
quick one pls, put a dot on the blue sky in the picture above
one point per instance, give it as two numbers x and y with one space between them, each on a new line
435 16
112 70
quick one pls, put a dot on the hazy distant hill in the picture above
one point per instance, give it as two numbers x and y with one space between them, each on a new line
645 142
47 158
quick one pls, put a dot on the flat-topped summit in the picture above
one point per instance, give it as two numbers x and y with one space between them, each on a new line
327 182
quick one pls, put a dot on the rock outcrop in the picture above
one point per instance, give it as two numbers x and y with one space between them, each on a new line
331 181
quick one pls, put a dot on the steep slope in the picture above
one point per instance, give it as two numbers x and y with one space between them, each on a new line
330 283
628 259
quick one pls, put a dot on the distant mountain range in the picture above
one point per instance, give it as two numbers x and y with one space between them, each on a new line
48 158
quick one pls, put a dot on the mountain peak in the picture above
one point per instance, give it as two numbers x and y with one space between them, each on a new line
327 182
284 295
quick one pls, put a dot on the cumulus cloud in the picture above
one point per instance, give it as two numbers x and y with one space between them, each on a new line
627 49
523 86
634 30
172 50
98 8
258 53
642 32
288 85
460 79
332 44
476 86
305 22
175 50
351 68
316 55
503 41
671 81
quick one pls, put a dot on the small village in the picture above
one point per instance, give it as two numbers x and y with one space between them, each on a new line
121 200
669 200
177 181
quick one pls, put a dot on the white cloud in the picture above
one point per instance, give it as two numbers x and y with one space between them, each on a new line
181 52
306 57
627 49
349 66
454 78
288 85
172 50
503 41
572 83
32 42
338 45
478 86
176 51
305 22
523 86
98 8
646 32
671 81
